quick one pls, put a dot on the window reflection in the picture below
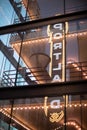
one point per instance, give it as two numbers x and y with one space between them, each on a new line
45 113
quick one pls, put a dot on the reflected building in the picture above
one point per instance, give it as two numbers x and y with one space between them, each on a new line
43 80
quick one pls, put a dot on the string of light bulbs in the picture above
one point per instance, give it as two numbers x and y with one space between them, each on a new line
46 39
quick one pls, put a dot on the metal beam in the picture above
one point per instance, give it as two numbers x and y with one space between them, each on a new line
42 22
8 54
13 3
41 90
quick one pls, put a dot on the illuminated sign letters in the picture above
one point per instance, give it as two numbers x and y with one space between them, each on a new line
55 33
57 52
55 104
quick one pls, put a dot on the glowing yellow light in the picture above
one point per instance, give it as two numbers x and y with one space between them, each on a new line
78 69
70 105
56 117
85 77
84 73
75 65
85 105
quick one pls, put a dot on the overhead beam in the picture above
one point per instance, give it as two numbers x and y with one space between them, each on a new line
42 90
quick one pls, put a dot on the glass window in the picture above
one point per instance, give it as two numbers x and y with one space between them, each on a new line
76 46
53 113
16 11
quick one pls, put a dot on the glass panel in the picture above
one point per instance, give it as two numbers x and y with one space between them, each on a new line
34 56
39 45
73 113
50 113
31 48
76 112
6 115
35 113
6 13
43 54
75 5
83 111
76 46
8 63
16 11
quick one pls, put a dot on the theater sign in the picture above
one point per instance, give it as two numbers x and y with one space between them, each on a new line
55 32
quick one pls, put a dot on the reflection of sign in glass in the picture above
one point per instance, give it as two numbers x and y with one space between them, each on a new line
55 33
54 104
56 117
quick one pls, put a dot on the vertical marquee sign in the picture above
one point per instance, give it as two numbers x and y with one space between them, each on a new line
55 32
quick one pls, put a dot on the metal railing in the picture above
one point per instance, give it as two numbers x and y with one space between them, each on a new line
74 71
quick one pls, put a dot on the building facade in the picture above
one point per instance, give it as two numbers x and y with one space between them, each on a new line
43 66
